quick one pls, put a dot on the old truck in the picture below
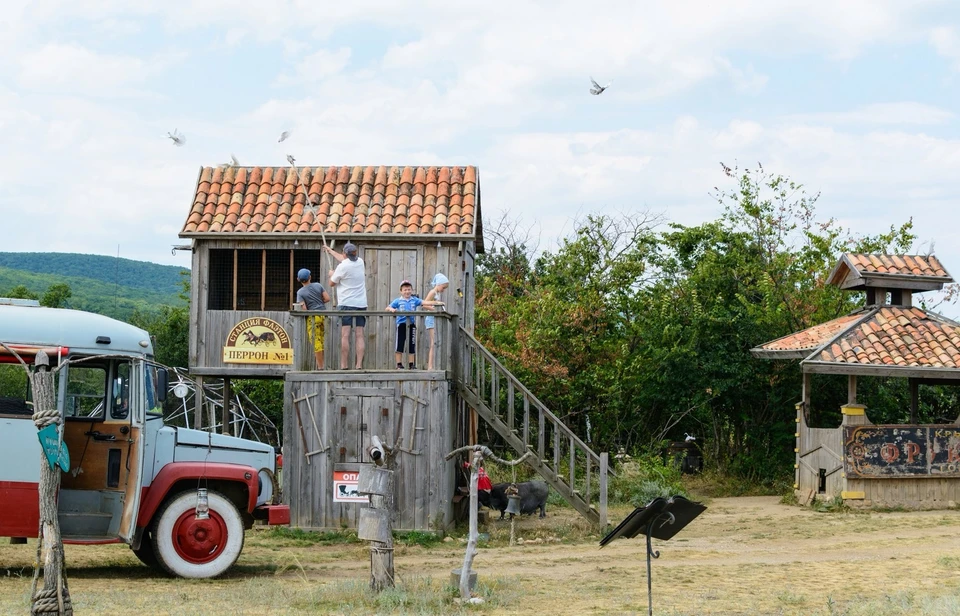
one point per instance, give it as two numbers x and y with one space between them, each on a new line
131 478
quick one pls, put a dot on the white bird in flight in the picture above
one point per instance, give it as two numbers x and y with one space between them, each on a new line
177 138
283 136
597 89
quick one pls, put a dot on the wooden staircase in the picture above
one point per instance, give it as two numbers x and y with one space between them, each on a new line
563 460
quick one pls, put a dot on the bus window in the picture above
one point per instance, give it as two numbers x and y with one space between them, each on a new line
13 390
120 394
153 382
86 385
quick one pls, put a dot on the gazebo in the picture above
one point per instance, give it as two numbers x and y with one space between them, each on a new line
909 465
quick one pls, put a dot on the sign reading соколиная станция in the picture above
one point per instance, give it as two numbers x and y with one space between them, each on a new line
257 340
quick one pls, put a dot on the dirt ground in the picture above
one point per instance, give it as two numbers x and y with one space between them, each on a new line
749 555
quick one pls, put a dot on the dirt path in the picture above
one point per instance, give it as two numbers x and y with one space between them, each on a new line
742 556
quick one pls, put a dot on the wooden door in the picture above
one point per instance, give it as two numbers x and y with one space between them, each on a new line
386 268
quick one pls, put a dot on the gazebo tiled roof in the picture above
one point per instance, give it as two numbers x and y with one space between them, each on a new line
800 344
880 339
443 201
856 271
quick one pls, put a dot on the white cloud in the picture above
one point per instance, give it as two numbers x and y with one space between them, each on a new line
72 69
902 113
947 43
317 66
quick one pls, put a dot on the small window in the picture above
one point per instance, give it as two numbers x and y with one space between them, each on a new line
154 407
221 280
120 394
86 392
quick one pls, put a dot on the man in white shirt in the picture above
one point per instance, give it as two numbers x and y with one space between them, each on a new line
349 279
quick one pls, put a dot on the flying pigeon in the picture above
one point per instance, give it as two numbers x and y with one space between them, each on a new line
291 160
597 89
283 136
177 139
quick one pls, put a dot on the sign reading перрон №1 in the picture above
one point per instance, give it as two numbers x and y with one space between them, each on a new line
257 340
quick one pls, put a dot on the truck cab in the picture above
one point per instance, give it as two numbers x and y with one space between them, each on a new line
131 478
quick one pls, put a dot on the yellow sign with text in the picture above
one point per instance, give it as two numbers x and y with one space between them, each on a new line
257 340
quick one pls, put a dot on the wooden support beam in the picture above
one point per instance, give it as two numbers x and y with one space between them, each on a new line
227 394
198 404
851 389
914 400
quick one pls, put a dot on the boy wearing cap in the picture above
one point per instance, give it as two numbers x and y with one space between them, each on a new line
440 283
350 280
312 296
406 326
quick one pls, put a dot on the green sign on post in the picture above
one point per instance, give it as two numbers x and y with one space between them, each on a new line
53 449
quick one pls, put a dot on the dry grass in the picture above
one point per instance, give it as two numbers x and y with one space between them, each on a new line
749 555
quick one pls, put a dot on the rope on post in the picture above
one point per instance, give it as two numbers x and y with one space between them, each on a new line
54 597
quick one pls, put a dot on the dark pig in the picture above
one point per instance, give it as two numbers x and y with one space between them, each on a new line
533 496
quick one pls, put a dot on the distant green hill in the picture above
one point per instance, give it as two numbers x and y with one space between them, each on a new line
125 272
106 285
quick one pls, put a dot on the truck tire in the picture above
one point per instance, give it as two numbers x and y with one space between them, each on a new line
192 548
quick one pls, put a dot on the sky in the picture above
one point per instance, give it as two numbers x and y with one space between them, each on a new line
857 100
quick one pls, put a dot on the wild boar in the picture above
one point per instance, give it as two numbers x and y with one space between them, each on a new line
533 496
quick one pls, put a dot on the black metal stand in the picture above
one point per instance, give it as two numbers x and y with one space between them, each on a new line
669 519
672 513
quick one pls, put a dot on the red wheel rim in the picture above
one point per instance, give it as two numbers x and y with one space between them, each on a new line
199 541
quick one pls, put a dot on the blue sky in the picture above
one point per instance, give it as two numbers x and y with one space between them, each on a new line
854 99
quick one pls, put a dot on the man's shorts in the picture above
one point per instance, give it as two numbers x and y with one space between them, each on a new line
315 331
351 321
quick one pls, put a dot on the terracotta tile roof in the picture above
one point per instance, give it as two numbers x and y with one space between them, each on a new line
401 200
898 264
897 336
880 266
801 344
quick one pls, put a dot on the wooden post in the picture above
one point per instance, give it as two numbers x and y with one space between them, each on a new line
198 404
227 394
914 400
603 488
851 389
54 597
376 523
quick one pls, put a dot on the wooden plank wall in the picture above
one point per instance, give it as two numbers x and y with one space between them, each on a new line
824 448
348 408
818 448
387 264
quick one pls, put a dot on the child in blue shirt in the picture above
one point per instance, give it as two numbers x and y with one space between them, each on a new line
407 325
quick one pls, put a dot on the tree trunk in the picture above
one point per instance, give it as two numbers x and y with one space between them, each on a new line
54 597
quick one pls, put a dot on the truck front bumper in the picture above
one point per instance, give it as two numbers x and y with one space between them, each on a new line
273 514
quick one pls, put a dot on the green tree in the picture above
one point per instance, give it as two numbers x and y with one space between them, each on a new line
56 296
21 292
170 328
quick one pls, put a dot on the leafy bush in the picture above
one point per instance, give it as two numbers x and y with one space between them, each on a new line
643 479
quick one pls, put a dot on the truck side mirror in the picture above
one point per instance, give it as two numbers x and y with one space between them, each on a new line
162 384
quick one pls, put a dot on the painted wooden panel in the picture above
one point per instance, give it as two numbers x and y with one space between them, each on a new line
424 481
894 451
